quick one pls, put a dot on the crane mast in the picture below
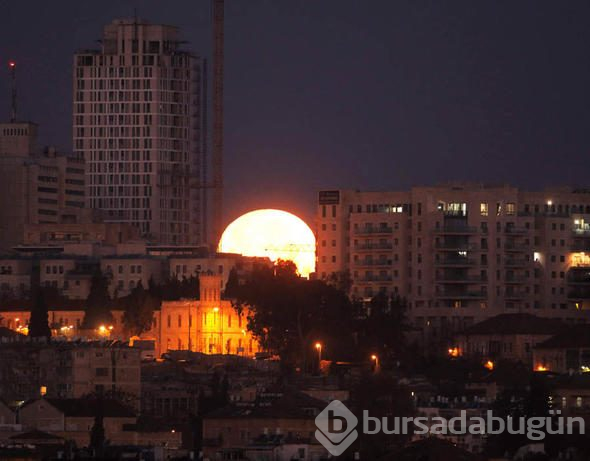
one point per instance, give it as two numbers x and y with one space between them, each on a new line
217 135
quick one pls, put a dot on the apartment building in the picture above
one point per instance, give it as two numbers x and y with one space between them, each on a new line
15 277
68 369
73 370
40 187
461 253
136 122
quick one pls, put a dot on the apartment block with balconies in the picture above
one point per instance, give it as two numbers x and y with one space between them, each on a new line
461 253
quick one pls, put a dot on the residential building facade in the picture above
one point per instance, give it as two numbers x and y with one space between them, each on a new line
461 253
136 122
40 187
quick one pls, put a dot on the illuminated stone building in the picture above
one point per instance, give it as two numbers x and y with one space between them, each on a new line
209 325
461 253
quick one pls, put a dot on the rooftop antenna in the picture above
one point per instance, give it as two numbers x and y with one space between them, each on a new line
12 68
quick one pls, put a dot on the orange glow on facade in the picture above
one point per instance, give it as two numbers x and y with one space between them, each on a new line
541 368
489 365
274 234
580 259
454 352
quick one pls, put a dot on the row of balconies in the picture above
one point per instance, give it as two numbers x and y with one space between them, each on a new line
460 278
374 278
457 261
374 262
373 246
374 230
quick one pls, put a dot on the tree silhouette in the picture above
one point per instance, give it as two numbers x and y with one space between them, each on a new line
232 285
139 310
97 434
383 327
288 314
39 321
98 302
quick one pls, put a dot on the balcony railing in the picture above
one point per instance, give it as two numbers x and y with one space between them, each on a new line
449 246
375 278
516 247
516 262
514 295
460 279
580 245
515 280
374 230
456 262
373 246
374 262
578 279
516 230
456 229
461 295
582 293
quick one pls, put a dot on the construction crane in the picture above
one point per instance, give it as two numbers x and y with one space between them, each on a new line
291 248
217 9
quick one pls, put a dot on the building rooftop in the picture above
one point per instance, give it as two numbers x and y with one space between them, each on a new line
36 436
8 333
572 338
432 449
89 407
291 405
512 324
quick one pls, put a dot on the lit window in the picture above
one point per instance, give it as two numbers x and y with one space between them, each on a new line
510 209
483 208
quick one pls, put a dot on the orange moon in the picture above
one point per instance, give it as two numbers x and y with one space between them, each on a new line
275 234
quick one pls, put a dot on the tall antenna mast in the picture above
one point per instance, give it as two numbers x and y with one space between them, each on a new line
12 68
217 157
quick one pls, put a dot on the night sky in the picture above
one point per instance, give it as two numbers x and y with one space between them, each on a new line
350 93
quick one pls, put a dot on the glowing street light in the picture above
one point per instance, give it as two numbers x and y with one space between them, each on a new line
104 330
318 347
375 360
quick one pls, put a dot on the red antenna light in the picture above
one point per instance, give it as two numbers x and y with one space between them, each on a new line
11 64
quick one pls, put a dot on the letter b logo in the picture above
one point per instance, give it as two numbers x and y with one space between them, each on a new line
336 424
336 428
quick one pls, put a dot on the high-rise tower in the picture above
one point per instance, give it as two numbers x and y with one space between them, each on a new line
137 123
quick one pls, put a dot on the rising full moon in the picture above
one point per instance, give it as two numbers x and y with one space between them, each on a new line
274 234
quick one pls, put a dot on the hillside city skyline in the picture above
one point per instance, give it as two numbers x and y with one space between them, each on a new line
489 129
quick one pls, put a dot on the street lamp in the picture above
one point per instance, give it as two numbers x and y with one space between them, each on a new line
375 359
318 347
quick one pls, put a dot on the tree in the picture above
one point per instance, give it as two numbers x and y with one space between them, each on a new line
173 288
39 321
139 310
97 433
232 285
383 328
98 302
288 314
382 396
340 280
527 399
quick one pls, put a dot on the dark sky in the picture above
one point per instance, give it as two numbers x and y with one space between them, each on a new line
351 93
